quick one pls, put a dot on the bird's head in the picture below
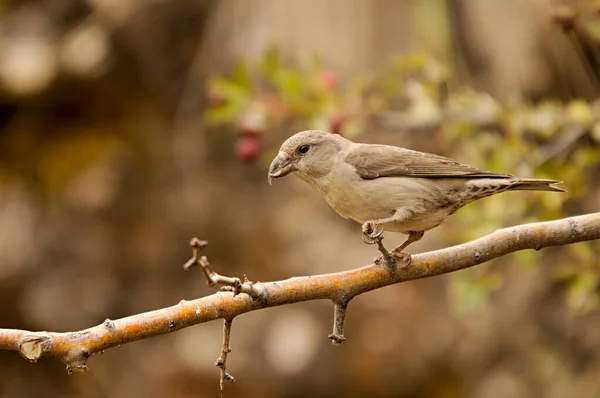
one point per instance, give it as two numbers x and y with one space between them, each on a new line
310 153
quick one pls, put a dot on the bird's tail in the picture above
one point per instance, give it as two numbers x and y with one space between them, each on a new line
535 185
484 187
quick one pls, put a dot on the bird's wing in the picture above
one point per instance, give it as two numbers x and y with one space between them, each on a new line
374 161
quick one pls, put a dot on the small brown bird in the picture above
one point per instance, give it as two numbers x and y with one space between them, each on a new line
389 187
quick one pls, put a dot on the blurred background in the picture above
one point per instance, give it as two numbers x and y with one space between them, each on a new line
128 127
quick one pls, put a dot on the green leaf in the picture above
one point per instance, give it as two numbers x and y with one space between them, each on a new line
580 112
241 76
582 294
271 63
230 90
470 293
227 113
413 62
289 84
309 62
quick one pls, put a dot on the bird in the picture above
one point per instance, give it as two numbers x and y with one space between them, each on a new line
385 187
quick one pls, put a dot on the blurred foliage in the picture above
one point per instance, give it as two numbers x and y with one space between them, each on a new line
547 139
580 15
302 95
107 170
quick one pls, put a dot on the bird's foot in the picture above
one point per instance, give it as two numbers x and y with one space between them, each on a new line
388 260
371 233
403 258
393 259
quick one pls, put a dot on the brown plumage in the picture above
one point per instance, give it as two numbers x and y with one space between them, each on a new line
374 161
389 187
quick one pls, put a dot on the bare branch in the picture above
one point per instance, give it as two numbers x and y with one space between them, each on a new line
222 360
339 316
73 348
231 284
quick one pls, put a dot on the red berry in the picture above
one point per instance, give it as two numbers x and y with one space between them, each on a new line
215 100
328 79
335 124
565 18
247 147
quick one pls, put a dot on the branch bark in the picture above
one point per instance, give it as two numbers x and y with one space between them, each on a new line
73 348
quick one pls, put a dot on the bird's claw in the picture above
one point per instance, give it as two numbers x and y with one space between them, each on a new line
371 233
394 259
404 259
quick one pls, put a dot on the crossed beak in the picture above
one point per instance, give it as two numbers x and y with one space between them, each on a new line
280 167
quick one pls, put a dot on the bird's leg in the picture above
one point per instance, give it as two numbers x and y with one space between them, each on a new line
413 236
372 231
372 235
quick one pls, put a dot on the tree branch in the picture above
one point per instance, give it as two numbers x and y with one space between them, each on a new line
222 360
73 348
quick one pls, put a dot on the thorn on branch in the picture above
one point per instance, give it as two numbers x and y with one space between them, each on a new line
231 284
339 316
222 360
77 362
477 256
109 324
77 367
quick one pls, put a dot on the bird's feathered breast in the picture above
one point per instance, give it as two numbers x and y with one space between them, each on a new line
374 161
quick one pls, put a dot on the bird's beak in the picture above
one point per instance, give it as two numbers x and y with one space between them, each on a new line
280 167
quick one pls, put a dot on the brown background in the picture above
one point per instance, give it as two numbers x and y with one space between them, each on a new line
107 170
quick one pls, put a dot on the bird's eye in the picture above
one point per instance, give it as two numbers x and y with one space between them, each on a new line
303 148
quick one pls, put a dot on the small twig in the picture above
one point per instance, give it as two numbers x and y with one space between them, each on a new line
212 278
199 259
222 360
339 316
